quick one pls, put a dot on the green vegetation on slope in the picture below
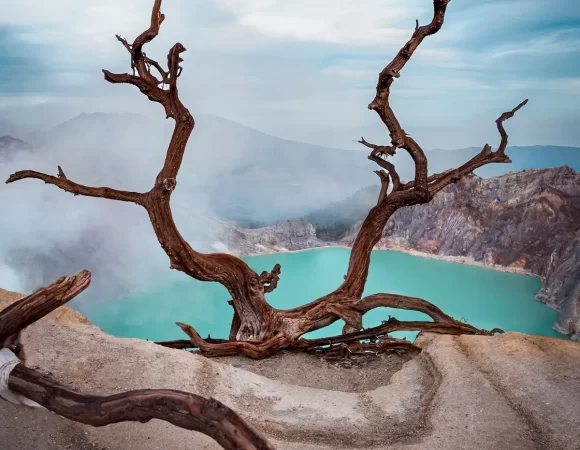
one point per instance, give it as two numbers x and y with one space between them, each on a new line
335 219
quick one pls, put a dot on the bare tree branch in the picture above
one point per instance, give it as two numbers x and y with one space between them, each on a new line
500 120
379 149
384 177
270 279
264 350
392 325
125 44
259 350
149 89
486 156
381 105
401 302
65 184
28 310
181 409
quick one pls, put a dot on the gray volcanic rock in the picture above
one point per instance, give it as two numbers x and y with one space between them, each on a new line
562 287
287 235
528 220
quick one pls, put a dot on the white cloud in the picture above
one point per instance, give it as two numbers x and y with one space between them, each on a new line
568 85
72 23
30 12
350 69
445 57
8 102
561 41
365 22
243 62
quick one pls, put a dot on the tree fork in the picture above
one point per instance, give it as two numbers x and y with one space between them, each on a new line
257 326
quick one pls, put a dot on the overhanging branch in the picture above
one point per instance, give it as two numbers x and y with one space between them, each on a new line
28 310
62 182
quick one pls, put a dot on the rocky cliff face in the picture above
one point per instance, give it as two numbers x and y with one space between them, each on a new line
288 235
528 220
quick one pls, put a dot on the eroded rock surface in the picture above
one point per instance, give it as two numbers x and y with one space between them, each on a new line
512 391
287 235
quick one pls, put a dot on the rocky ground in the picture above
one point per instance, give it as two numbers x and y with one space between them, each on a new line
513 391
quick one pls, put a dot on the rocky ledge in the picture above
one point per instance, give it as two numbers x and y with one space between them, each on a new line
462 392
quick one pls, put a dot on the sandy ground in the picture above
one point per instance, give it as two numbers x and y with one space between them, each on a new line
359 374
469 392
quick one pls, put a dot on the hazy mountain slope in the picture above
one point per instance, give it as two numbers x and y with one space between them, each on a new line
237 172
333 220
10 146
240 172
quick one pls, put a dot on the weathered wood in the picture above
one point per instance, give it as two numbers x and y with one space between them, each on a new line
28 310
258 350
182 409
259 328
185 410
379 333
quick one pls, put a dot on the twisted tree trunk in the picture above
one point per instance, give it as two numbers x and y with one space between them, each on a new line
258 329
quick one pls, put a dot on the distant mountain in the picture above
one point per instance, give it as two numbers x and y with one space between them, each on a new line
241 173
332 220
529 157
10 146
469 131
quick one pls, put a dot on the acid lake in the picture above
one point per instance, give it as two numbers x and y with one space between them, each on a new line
484 297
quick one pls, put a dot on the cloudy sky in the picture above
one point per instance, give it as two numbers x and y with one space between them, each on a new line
306 69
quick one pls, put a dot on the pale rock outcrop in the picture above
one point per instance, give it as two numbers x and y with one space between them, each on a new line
462 392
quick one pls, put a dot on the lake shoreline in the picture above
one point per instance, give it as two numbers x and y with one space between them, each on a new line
413 252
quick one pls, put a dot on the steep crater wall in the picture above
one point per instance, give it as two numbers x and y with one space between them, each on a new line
528 220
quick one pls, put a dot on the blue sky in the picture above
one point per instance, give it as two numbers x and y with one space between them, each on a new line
306 69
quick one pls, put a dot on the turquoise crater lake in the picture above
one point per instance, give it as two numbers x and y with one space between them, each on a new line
486 298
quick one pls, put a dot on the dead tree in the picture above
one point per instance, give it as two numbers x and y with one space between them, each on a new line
259 330
182 409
